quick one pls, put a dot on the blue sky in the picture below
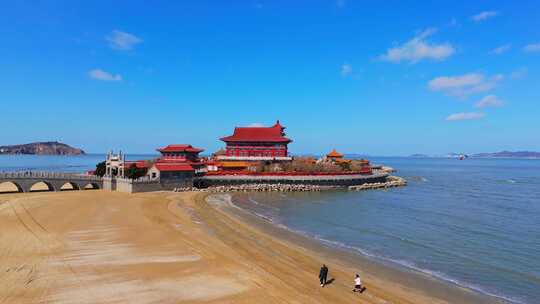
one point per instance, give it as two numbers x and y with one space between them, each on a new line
391 78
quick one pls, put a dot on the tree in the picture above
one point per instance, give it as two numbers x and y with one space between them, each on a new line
345 166
100 169
133 172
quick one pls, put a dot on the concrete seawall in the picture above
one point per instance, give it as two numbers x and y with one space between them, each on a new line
343 180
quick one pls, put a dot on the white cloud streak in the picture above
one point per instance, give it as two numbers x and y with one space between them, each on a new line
482 16
464 85
255 125
501 49
519 73
122 41
346 69
418 48
103 75
532 48
465 116
489 101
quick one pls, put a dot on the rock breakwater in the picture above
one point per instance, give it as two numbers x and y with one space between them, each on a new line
391 181
260 188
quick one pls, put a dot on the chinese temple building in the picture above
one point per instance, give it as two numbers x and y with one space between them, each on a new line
177 153
334 155
234 166
177 162
256 144
337 158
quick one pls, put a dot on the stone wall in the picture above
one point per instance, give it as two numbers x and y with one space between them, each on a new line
148 185
316 180
109 184
171 184
141 185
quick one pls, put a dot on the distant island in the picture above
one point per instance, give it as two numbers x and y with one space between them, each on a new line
419 155
508 154
41 148
502 154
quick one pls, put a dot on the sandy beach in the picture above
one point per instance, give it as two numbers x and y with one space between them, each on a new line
109 247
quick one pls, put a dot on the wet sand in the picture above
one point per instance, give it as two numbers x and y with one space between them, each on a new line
108 247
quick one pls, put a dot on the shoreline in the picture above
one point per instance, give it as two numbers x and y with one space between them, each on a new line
389 271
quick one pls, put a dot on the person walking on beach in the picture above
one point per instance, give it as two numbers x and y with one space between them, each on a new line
357 284
323 273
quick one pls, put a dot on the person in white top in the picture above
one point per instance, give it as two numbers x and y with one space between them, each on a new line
357 284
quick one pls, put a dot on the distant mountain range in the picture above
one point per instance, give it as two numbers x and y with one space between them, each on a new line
508 154
41 148
418 155
502 154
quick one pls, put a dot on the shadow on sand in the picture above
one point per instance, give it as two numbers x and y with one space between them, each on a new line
360 291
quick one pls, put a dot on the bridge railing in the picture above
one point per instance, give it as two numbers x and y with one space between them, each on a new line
48 175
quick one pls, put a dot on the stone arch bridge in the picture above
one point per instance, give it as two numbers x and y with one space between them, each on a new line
55 181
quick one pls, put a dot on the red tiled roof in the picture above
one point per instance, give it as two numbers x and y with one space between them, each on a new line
334 153
174 167
138 164
234 164
180 148
254 134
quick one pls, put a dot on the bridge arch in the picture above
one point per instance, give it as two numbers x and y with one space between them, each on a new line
10 187
69 186
91 186
41 186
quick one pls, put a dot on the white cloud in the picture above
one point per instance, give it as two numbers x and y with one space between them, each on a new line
103 75
489 101
119 40
519 73
464 85
484 16
501 49
465 116
532 48
255 125
346 69
418 48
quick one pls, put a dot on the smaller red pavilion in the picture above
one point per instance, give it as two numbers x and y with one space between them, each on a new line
177 161
257 143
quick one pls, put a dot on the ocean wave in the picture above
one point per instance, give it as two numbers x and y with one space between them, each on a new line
406 264
253 201
387 260
417 178
506 181
257 203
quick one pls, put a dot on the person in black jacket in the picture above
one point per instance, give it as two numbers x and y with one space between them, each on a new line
323 273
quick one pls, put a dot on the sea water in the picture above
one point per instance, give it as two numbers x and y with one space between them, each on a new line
474 223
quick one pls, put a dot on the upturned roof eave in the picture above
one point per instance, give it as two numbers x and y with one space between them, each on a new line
233 139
